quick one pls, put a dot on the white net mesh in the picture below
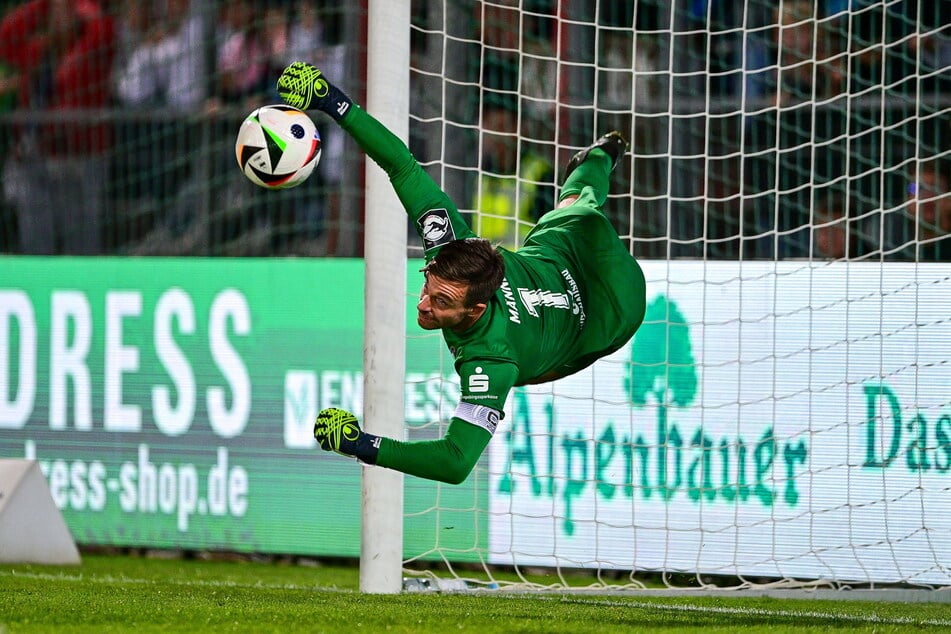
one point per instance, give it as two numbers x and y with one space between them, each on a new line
782 416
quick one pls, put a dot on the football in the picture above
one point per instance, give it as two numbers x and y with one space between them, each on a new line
277 147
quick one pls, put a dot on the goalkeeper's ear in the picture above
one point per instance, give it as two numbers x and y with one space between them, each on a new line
475 311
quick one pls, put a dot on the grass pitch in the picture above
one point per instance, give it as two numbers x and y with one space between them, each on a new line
126 593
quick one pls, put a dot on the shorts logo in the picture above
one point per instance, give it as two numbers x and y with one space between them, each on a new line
435 229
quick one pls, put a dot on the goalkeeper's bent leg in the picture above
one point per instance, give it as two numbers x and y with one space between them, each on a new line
594 172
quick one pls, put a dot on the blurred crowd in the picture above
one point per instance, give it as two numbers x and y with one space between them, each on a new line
773 129
130 109
760 130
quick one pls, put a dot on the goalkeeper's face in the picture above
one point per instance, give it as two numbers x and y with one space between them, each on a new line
442 305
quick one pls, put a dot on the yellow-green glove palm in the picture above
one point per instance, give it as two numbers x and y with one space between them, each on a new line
304 86
338 430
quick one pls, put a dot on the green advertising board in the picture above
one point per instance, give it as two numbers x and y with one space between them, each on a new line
169 402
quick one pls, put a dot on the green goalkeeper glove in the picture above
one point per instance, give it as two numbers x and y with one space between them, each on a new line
303 86
338 430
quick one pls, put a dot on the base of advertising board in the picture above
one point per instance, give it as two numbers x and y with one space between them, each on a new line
32 529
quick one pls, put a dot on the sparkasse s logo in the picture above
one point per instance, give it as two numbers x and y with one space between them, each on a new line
479 382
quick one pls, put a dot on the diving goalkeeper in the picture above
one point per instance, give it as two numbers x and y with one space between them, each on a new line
571 295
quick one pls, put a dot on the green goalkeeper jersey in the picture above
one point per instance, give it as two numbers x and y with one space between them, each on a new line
571 294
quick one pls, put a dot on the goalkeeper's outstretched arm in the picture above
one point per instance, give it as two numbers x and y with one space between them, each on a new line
449 459
303 86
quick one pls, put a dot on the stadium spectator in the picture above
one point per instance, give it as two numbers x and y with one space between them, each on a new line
807 69
243 219
539 85
920 229
516 182
517 56
784 128
242 56
897 45
831 238
306 31
835 235
894 58
711 56
570 296
275 29
160 64
63 51
161 61
9 80
315 212
631 90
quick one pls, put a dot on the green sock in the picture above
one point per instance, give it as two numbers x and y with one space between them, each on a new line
594 172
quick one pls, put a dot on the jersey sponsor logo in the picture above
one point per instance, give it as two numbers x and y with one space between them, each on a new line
435 228
478 382
485 417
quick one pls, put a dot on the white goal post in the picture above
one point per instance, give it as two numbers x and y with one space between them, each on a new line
385 324
783 416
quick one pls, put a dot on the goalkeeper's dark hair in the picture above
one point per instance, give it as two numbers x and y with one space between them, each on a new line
473 261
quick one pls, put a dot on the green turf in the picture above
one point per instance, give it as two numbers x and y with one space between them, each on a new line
123 594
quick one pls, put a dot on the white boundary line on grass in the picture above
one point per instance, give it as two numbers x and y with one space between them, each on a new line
650 605
647 605
44 576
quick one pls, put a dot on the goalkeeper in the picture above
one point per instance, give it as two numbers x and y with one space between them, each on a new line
570 295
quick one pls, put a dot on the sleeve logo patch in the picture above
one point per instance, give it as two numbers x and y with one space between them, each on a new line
435 229
479 382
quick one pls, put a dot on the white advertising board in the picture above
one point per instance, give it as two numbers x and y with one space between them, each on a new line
779 419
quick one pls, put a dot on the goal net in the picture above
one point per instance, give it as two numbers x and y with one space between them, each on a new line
783 416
